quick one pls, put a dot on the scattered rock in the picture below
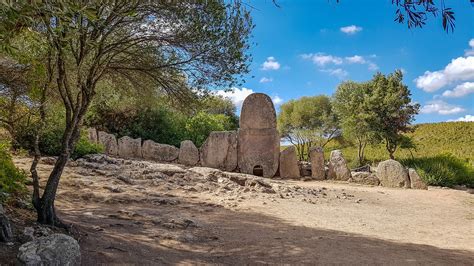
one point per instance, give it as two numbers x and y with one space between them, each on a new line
159 152
188 153
56 249
392 174
48 160
289 163
316 155
415 180
365 178
338 169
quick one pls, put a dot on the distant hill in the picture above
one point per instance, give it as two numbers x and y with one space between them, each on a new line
456 138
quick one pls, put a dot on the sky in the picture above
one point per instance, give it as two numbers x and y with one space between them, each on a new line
308 47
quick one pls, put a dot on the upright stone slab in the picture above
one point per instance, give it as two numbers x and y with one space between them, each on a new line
92 135
316 156
220 150
130 148
259 141
109 142
415 180
188 153
392 174
159 152
338 169
289 163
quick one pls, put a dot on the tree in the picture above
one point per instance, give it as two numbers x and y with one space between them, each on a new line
174 45
391 109
350 105
308 121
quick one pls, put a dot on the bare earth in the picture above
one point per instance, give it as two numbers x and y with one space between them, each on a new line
141 212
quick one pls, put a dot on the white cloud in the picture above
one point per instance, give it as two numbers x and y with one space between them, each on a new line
338 72
373 66
352 29
470 52
466 118
441 107
460 90
237 96
322 59
270 64
356 59
265 80
460 69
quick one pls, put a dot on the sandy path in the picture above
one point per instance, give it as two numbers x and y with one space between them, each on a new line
167 222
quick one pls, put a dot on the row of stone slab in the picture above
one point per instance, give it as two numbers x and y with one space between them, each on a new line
129 148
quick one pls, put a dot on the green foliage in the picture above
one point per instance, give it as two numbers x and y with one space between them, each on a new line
308 121
442 170
199 126
12 180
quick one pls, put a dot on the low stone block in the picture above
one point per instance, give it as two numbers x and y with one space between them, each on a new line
188 153
109 142
159 152
220 151
130 148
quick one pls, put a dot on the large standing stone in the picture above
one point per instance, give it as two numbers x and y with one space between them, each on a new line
259 141
130 148
316 155
5 228
415 180
109 142
56 249
159 152
188 153
338 169
392 174
220 150
289 163
92 135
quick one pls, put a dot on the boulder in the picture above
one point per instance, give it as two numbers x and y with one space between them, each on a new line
220 150
259 140
109 142
392 174
159 152
415 180
5 228
56 249
338 169
130 148
316 156
289 163
188 153
365 178
92 135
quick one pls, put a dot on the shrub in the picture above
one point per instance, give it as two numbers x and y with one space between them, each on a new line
12 180
84 147
442 170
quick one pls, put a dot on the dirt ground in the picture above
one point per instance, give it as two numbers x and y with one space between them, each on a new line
137 212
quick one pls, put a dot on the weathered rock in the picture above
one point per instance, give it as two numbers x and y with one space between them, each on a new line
289 163
338 169
365 178
415 180
109 142
159 152
130 148
220 150
316 155
5 228
259 141
56 249
92 135
188 153
392 174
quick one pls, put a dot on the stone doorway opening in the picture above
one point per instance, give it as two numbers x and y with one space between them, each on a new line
258 170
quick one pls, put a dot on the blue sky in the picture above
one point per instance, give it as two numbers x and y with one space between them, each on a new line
308 47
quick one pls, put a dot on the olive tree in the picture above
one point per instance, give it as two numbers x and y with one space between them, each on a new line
174 45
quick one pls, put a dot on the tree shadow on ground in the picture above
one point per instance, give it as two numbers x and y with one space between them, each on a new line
223 236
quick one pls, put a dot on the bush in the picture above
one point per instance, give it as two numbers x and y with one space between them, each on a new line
12 180
84 147
442 170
